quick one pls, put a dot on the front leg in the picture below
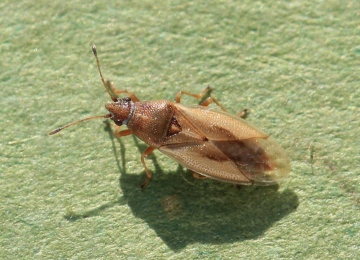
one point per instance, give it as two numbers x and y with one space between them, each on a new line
116 92
117 132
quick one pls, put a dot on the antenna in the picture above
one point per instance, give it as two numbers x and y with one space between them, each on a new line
76 122
108 89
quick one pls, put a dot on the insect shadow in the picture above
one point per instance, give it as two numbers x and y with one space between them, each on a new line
183 210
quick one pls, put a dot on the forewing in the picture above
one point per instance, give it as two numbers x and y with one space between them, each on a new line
204 158
218 125
221 146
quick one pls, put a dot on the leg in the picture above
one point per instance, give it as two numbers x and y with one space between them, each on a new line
243 114
117 132
131 95
147 151
122 132
197 96
205 103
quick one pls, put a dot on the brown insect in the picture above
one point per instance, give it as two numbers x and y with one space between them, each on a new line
210 143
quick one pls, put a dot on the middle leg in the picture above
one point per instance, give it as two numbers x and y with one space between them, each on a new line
205 103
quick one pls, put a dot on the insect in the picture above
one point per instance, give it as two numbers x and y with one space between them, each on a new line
209 142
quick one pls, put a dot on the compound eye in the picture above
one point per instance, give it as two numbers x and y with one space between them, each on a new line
118 122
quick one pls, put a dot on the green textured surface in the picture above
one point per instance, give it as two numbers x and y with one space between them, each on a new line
294 64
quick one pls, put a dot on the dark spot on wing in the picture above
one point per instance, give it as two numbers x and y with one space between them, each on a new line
216 156
248 156
219 129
